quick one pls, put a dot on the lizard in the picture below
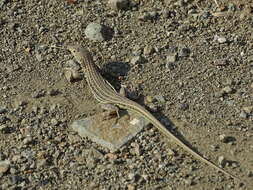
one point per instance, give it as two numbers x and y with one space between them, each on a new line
105 93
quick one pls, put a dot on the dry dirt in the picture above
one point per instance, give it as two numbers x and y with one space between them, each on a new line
208 92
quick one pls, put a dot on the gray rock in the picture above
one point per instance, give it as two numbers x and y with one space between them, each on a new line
95 32
110 133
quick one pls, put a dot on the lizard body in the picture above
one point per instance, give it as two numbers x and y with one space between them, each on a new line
104 92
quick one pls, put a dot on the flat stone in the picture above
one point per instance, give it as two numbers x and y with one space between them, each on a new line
110 133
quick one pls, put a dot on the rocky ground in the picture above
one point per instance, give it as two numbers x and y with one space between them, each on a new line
192 58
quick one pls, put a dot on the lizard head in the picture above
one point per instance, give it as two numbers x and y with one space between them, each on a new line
78 52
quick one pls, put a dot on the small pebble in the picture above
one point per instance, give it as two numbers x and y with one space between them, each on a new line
130 187
68 75
54 122
148 50
152 107
171 152
248 109
93 157
3 110
39 93
148 16
243 114
184 52
137 60
222 161
72 75
166 14
160 98
15 179
39 57
111 156
172 58
231 7
3 128
53 92
149 99
118 4
226 139
4 166
220 39
251 86
133 176
188 182
13 171
2 156
183 106
41 163
27 140
250 174
72 64
220 62
227 90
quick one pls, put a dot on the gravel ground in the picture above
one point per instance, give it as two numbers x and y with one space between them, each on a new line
196 55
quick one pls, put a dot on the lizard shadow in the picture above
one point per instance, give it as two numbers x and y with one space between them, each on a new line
113 70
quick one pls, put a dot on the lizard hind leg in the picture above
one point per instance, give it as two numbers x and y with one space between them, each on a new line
109 111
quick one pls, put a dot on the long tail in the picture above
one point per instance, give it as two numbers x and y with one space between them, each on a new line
168 134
